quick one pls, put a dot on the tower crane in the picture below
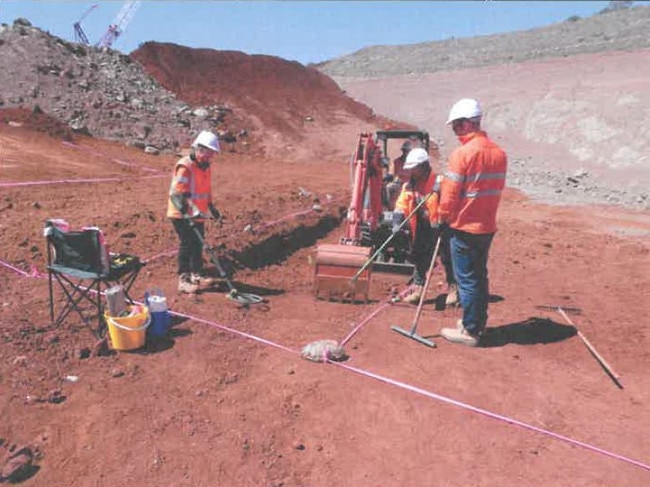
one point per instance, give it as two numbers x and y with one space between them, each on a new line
79 34
118 26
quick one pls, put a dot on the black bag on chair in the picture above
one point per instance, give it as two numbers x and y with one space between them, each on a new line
80 263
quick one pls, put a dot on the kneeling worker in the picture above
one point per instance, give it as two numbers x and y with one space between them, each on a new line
190 200
424 223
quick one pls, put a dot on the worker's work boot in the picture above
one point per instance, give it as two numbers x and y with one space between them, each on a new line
185 284
414 295
203 280
461 336
452 295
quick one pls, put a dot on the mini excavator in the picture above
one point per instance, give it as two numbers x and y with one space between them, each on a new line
369 222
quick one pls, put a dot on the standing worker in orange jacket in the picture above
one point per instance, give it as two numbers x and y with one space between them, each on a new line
424 223
189 205
469 200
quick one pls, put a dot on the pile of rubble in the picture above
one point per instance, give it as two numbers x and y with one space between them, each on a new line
100 92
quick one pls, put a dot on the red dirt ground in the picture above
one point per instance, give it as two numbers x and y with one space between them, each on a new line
212 406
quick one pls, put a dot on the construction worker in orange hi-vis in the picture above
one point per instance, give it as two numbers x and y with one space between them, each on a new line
424 228
189 205
469 199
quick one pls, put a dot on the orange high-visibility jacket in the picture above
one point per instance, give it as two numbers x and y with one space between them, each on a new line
192 182
410 197
472 186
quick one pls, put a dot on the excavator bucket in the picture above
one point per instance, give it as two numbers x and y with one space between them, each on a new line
336 265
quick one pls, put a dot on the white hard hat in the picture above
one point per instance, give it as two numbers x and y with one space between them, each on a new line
416 157
465 108
208 140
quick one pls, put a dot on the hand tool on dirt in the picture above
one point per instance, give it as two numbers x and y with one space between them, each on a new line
390 237
234 294
412 334
570 311
592 349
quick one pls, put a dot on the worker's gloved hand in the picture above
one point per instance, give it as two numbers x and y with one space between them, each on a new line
389 178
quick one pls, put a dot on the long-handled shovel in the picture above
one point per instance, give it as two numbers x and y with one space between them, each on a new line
411 333
389 239
234 294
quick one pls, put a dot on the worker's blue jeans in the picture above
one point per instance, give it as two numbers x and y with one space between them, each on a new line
469 254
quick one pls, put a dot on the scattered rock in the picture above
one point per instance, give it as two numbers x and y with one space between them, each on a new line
20 360
117 373
56 397
298 446
82 353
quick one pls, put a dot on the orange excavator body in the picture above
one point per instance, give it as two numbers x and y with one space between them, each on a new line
337 266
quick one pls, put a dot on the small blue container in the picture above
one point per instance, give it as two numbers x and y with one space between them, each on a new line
160 317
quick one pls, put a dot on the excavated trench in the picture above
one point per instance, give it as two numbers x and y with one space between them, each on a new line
277 247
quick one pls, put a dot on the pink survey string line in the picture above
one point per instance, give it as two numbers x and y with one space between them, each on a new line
72 181
233 330
402 385
286 217
15 269
490 414
100 154
167 253
387 302
430 395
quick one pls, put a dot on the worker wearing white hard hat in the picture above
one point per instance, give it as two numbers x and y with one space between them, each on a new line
189 206
469 199
466 108
423 184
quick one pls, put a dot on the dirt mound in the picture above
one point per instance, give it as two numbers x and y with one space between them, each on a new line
36 120
256 104
278 96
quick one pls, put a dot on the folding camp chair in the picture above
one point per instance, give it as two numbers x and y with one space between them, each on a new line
79 262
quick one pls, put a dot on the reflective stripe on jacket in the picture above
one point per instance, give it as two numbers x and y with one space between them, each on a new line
194 184
410 197
473 183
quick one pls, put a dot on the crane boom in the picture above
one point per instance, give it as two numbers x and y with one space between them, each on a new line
79 34
118 26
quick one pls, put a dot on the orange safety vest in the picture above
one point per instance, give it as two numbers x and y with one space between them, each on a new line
192 182
472 187
410 197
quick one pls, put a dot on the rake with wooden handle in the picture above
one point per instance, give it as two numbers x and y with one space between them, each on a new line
592 349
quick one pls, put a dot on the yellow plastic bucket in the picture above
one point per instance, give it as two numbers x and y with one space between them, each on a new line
128 332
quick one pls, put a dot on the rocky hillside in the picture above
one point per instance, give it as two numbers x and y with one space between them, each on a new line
163 94
98 92
622 29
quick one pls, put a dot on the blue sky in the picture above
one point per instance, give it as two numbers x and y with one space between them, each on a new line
304 31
